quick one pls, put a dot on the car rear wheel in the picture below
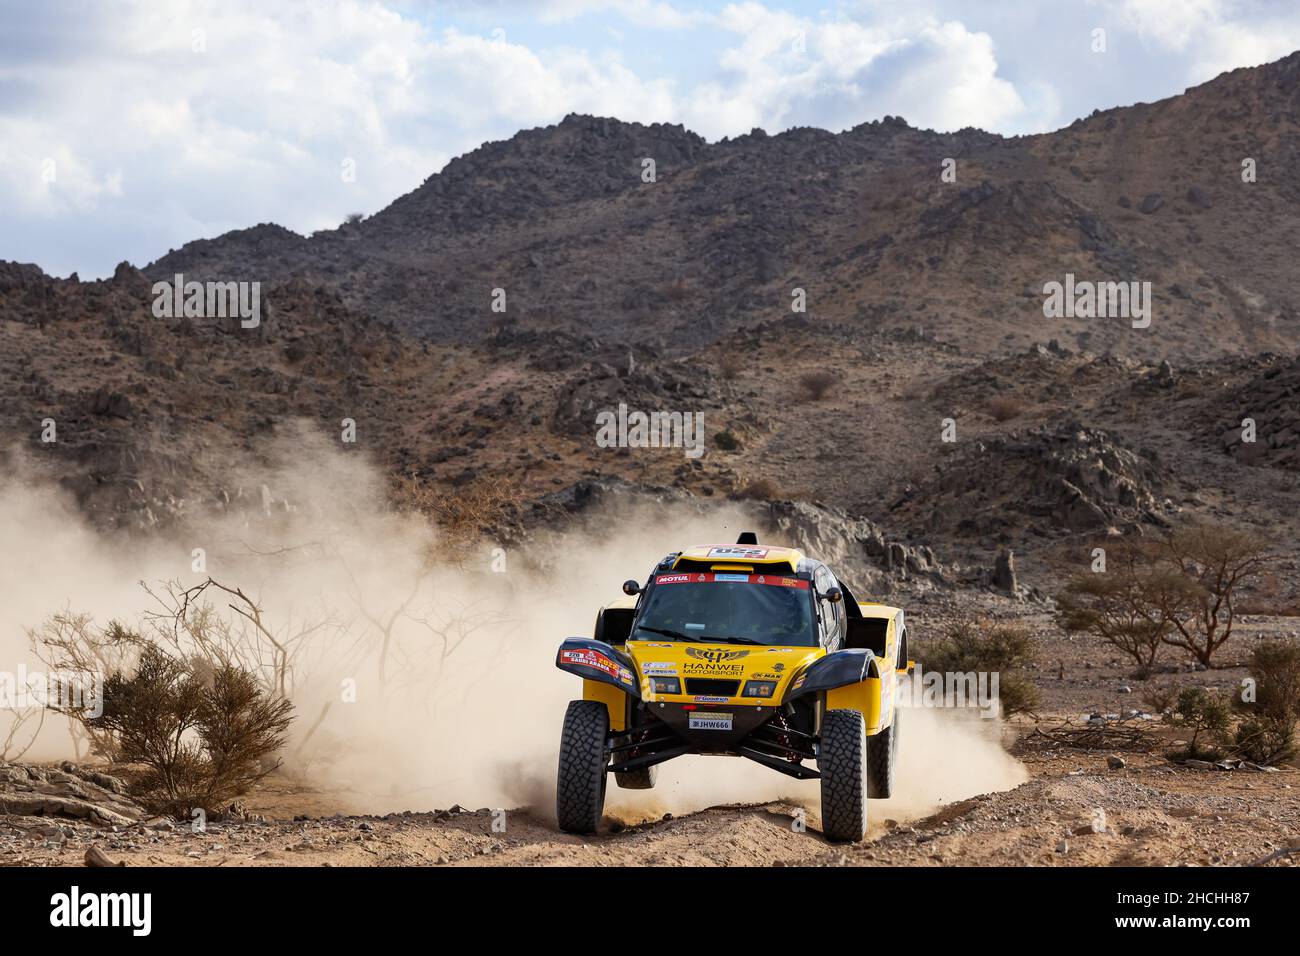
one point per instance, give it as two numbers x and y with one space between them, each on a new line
882 754
580 787
842 761
643 779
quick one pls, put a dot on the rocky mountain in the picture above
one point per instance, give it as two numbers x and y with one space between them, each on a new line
924 307
864 221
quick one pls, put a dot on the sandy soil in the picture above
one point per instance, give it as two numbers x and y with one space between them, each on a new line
1076 809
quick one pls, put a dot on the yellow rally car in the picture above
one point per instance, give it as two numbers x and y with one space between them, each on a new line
741 650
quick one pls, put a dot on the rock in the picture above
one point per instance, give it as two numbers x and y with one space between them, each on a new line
1151 202
1116 762
1004 573
1063 847
98 858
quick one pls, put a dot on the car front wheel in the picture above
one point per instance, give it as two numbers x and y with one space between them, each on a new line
584 752
842 761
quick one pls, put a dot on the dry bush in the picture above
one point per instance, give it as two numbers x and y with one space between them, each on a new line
1203 714
205 735
1214 561
726 441
817 383
1266 732
1178 590
1006 407
730 366
1122 605
758 489
462 515
985 646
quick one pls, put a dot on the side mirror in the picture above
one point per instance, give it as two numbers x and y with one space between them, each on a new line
631 588
834 595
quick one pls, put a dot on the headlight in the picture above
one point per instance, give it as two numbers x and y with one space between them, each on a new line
759 688
666 685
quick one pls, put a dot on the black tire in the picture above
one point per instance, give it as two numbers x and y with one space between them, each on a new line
643 779
580 787
882 754
842 760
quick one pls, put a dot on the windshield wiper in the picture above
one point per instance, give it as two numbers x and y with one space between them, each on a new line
733 640
667 632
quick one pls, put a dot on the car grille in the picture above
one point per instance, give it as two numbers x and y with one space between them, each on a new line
712 687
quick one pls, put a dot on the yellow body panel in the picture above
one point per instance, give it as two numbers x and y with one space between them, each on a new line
864 697
745 662
613 699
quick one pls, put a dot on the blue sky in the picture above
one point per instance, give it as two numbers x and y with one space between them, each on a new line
128 127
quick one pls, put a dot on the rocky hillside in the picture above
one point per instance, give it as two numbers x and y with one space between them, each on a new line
924 307
562 220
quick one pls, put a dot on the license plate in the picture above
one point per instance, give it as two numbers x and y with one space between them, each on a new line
709 722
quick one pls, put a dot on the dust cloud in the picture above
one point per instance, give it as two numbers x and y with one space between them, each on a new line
422 676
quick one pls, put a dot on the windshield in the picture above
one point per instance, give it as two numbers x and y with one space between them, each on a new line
728 608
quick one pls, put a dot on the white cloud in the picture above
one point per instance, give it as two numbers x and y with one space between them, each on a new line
789 70
154 144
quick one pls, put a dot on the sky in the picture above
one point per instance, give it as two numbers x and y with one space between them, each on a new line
128 128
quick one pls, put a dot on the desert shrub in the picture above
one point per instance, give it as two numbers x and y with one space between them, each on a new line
1214 562
758 489
1122 605
1005 407
726 441
983 645
1179 590
1266 732
464 514
1205 716
731 365
817 383
205 734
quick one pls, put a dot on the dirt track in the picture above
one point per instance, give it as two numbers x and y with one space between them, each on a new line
1154 814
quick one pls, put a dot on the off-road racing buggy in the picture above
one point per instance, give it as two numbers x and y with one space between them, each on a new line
741 650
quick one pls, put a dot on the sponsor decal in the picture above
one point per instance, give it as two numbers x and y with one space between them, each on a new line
715 655
709 721
701 669
710 700
765 676
778 667
672 578
659 669
591 658
705 577
735 551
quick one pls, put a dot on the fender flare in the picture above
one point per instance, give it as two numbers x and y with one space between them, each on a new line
838 668
598 661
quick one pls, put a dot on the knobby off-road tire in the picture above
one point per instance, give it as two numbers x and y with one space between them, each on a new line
643 779
842 760
882 754
580 787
